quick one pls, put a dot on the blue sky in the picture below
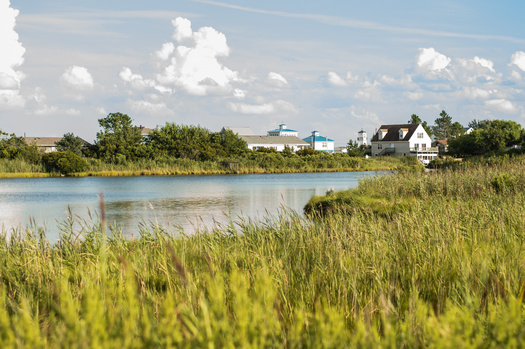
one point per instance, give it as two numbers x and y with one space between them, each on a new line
335 66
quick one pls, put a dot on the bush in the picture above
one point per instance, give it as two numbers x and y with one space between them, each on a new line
64 162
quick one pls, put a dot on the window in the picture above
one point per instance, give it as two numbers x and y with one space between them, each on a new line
379 146
420 135
424 146
325 145
416 145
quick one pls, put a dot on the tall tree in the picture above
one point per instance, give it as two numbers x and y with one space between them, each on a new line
456 130
415 119
443 126
353 149
71 143
479 124
120 139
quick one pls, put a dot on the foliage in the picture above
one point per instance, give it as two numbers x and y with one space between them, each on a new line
355 150
307 152
443 126
442 270
119 140
496 136
64 162
415 119
194 142
478 124
13 147
71 143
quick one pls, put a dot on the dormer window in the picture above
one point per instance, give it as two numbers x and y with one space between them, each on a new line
382 133
403 132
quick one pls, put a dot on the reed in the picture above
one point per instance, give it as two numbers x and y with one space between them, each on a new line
444 271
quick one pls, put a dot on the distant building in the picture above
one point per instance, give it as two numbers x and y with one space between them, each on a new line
283 131
318 142
362 138
47 144
404 140
276 142
442 146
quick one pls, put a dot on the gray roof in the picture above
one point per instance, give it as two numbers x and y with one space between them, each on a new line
42 141
46 141
273 140
240 131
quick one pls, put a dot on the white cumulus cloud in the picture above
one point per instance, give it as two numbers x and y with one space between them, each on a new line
484 63
135 80
518 59
11 57
502 105
429 59
336 80
78 78
194 65
277 79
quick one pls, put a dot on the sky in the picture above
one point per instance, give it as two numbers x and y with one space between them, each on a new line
334 66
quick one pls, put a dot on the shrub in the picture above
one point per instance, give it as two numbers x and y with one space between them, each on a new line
64 162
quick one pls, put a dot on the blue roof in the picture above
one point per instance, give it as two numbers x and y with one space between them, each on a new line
284 130
318 139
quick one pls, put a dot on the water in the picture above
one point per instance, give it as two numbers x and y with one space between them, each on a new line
185 201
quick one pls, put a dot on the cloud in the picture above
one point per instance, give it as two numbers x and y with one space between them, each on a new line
77 78
239 94
136 81
194 65
277 79
159 109
518 59
336 80
429 59
263 109
165 52
502 105
484 63
12 57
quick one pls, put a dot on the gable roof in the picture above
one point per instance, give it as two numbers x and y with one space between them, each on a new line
393 132
47 141
273 140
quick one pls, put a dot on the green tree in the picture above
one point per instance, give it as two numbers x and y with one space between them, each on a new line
71 143
497 136
64 162
232 144
120 139
478 124
443 126
415 119
353 149
456 130
187 142
13 147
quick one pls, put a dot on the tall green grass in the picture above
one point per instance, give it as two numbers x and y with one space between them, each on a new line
447 270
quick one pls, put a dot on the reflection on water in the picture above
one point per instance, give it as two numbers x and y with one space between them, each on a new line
169 201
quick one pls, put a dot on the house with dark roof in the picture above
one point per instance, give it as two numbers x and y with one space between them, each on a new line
404 140
318 142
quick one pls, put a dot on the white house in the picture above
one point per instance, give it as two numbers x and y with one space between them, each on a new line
318 142
276 142
283 131
404 140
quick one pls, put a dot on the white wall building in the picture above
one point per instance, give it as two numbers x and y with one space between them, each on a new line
362 138
404 140
318 142
283 131
276 142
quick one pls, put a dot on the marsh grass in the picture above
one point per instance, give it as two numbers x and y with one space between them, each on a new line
448 270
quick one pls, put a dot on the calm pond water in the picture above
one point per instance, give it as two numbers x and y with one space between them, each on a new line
180 201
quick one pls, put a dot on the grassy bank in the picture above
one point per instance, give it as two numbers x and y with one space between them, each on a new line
446 270
258 163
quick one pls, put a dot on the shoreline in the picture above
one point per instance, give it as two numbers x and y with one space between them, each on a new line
138 173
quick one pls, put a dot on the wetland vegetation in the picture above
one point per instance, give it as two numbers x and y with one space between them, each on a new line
443 267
